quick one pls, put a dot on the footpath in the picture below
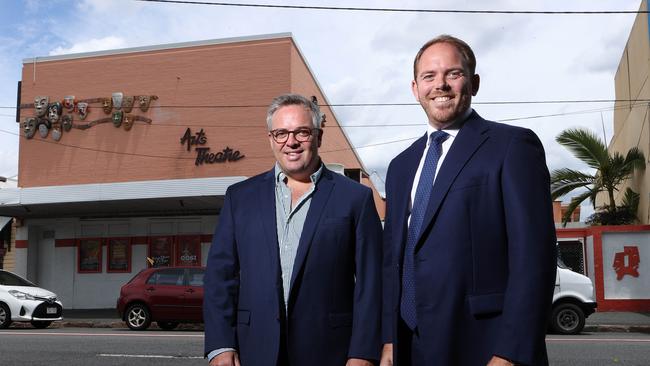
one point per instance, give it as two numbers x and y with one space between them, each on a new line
598 322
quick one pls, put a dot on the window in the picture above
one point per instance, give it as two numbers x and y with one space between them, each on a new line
167 277
89 255
188 250
196 277
161 249
119 255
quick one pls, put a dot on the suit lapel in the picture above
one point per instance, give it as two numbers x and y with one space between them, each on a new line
470 137
267 212
316 207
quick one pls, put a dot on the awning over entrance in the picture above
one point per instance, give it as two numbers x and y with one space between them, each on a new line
144 198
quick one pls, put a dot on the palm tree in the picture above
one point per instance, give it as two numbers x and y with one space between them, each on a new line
611 170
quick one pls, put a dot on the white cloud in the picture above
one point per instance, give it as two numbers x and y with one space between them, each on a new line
100 44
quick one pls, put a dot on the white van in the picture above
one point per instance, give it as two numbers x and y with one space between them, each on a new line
573 301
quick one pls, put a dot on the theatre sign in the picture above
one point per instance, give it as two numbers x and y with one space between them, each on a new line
203 154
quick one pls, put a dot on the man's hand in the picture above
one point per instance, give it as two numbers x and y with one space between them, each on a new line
358 362
498 361
387 355
228 358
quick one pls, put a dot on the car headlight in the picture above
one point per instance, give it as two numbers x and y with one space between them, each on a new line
21 295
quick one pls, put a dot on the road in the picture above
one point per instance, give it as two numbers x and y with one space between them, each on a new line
104 347
599 349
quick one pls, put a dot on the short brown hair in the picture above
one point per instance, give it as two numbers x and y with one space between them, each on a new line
462 47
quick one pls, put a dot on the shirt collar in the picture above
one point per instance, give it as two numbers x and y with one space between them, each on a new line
453 128
315 176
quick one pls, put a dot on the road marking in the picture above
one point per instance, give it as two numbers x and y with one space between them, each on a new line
101 334
603 340
145 356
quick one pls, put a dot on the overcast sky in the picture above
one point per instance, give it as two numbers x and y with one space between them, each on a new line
360 57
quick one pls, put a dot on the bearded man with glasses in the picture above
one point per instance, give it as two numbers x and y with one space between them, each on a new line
294 270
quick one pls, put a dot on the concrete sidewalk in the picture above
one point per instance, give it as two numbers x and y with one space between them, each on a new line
597 322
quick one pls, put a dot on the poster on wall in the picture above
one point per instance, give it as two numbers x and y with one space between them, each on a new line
90 255
188 251
160 251
119 255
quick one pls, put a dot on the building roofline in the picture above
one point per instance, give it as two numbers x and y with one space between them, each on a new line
159 47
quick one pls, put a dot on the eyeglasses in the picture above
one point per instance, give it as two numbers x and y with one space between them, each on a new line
303 134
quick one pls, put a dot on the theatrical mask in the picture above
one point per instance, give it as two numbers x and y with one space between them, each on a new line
144 101
40 105
69 102
66 121
29 127
107 105
117 100
82 109
57 132
43 127
127 103
117 118
127 122
54 111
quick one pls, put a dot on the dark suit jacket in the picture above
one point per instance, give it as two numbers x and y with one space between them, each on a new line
334 309
485 261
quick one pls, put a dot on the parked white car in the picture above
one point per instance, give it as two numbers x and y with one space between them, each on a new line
23 301
573 301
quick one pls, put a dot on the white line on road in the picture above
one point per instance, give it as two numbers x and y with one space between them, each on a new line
603 340
101 334
143 356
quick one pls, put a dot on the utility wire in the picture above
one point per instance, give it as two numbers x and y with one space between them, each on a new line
400 10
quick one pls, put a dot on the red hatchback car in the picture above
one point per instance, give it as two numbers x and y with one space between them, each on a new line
166 295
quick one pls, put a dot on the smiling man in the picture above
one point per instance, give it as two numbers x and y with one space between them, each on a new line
293 274
469 239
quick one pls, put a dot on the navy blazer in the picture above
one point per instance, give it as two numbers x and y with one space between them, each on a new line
334 306
485 259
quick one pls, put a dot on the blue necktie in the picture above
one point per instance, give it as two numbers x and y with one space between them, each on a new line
422 194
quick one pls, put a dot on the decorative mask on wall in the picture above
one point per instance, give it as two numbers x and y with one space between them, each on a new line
54 111
107 105
29 127
127 122
127 103
43 127
144 101
40 105
66 121
117 118
82 109
117 98
69 102
57 132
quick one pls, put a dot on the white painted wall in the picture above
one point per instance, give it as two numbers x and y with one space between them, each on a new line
628 287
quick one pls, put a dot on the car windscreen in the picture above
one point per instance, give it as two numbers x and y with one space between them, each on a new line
10 279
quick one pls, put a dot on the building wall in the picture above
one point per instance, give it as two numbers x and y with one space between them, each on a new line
54 245
632 120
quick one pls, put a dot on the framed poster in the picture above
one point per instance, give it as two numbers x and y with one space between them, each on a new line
89 255
119 255
188 250
161 251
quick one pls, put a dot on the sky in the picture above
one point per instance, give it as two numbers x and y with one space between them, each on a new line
361 57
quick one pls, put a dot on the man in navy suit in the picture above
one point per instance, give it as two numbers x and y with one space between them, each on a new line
294 272
469 240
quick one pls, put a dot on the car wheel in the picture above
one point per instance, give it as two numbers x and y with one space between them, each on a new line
567 318
138 317
167 325
41 324
5 316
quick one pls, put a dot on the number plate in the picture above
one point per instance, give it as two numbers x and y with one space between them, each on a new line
51 310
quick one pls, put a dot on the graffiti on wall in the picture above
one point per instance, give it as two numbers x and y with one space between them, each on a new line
627 262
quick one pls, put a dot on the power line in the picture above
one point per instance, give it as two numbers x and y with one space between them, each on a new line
493 102
400 10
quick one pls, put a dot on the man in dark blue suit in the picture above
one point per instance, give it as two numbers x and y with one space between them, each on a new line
469 239
294 272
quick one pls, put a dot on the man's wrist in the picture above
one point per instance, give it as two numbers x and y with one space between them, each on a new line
219 351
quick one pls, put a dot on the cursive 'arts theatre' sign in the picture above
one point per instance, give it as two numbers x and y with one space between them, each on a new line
203 154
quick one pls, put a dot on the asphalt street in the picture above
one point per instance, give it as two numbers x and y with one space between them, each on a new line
120 346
